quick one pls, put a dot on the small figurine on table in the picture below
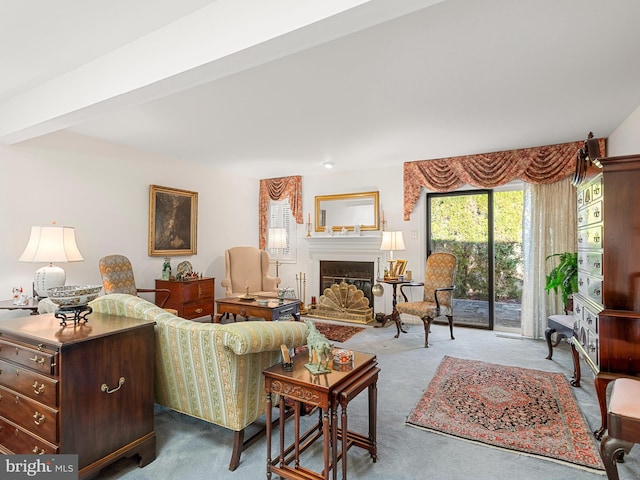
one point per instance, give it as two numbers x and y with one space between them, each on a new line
320 346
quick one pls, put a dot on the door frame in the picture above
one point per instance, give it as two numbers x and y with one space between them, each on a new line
490 245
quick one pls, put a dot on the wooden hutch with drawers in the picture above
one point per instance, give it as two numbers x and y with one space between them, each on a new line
607 307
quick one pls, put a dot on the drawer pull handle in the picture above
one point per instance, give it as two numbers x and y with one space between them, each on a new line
39 419
37 360
38 451
105 387
199 310
38 389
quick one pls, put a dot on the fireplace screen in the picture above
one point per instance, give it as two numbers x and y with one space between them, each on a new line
359 274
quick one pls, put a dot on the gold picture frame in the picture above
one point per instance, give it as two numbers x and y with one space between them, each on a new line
399 268
173 221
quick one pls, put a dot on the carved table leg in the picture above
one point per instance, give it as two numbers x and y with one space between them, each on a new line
268 433
575 380
601 383
547 335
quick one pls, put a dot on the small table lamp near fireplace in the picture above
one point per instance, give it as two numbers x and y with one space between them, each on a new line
47 245
392 241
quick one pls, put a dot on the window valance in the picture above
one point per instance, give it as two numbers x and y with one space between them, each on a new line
279 189
537 165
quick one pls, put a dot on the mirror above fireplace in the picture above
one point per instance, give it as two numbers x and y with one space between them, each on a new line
347 210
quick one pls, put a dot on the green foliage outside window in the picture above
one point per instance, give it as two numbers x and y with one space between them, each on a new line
459 226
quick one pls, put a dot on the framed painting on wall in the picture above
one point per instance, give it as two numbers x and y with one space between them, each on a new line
173 221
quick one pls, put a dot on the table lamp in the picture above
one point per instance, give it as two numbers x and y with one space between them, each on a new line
47 245
277 241
392 241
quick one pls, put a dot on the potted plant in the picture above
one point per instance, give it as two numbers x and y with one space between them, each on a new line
564 276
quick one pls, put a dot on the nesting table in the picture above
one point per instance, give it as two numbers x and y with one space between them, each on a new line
327 392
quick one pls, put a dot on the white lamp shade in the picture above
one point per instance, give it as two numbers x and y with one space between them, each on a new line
277 238
392 241
51 244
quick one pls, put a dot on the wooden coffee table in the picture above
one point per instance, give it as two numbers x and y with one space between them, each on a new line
272 311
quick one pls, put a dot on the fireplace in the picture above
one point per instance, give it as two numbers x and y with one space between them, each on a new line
359 274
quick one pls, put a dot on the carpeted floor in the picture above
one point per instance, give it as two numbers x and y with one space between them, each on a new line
521 409
191 449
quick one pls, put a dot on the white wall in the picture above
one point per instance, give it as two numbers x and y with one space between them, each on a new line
625 140
103 191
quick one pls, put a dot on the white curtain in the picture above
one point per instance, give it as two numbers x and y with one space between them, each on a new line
549 227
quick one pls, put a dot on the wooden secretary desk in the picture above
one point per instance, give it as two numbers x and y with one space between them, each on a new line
607 306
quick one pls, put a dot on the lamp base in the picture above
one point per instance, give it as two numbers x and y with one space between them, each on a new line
49 276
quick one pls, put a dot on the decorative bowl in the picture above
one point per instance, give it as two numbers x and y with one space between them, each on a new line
73 295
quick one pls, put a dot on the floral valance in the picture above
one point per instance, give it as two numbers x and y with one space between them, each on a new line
279 189
538 165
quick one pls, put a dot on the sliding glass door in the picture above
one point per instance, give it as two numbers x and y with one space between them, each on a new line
482 228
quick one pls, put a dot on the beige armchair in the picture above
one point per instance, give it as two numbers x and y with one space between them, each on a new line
248 267
211 371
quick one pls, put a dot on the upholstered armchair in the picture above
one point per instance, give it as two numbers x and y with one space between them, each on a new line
438 293
248 267
117 277
211 371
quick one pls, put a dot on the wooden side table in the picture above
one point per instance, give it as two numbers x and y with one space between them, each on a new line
191 298
394 315
31 305
325 391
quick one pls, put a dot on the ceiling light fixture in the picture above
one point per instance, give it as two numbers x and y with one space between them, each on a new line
328 165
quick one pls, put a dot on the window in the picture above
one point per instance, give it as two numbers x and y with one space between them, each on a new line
280 217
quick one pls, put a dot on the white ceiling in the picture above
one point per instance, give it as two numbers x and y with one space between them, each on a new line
277 88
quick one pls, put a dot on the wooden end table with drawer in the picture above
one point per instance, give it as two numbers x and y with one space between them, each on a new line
191 298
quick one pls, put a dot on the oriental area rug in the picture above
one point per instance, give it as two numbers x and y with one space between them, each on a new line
337 333
528 411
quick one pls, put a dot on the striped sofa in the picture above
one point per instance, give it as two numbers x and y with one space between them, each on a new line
210 371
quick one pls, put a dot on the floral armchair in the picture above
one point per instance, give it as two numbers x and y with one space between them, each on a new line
210 371
438 293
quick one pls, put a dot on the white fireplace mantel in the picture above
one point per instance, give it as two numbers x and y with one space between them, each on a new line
339 247
344 244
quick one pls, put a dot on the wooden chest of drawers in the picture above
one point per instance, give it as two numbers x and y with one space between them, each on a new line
191 298
607 304
85 389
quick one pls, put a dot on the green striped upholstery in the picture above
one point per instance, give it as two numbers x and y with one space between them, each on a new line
206 370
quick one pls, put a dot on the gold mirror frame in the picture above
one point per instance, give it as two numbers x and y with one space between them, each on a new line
343 202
